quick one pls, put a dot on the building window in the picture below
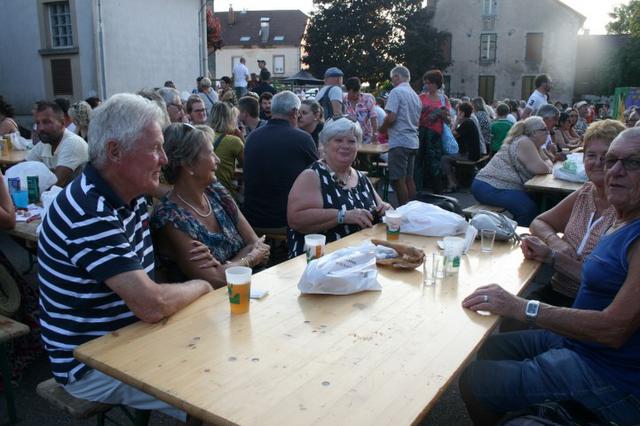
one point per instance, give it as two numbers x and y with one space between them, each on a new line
528 86
488 44
446 48
60 25
235 60
534 47
278 64
489 7
486 86
61 78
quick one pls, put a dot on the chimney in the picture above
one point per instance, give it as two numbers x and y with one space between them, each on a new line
232 15
264 29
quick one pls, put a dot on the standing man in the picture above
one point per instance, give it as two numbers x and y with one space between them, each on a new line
61 150
403 110
330 95
95 256
249 115
538 97
262 64
241 77
583 113
265 106
274 156
265 84
206 92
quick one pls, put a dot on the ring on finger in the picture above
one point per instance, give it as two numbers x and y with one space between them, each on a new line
486 298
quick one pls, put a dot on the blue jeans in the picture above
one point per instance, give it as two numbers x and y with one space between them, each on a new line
241 91
518 203
516 370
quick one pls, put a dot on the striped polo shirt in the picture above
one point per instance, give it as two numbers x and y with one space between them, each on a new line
88 236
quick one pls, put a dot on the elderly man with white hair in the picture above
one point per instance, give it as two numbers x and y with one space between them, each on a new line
95 256
403 110
173 101
274 156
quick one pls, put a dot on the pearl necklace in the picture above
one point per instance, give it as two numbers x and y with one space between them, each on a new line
193 208
344 183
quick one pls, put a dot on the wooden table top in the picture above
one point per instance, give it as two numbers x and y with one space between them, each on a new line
14 157
548 183
368 358
371 148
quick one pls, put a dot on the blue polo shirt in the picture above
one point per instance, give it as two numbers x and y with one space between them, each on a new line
88 236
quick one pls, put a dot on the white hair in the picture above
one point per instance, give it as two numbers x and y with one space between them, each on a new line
340 127
169 94
402 72
284 102
123 118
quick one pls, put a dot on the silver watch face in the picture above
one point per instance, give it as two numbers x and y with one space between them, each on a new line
532 308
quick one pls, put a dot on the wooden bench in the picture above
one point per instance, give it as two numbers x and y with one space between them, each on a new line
467 169
471 210
54 393
9 330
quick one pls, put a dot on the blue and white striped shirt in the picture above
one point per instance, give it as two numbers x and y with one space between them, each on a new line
88 236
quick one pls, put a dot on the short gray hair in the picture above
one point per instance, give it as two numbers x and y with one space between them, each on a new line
284 102
340 127
123 118
548 111
402 72
182 144
169 95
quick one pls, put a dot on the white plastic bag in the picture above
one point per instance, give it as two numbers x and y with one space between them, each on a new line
572 169
429 220
345 271
19 143
46 179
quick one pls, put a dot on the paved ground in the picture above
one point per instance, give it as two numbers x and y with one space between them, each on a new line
33 410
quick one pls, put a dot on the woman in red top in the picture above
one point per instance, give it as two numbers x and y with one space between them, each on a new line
435 112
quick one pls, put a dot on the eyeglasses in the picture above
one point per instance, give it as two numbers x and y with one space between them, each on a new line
179 107
188 127
630 164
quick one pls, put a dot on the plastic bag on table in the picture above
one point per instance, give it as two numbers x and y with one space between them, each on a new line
572 169
345 271
429 220
46 178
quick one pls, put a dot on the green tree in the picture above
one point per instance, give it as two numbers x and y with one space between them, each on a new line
625 64
366 38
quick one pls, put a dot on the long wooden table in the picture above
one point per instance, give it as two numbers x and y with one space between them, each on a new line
13 157
373 148
549 184
27 231
368 358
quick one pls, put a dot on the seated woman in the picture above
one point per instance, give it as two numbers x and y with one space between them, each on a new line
330 197
501 182
7 123
562 137
311 118
199 209
468 139
583 217
227 144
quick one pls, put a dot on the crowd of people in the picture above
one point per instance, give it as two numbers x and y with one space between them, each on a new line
185 155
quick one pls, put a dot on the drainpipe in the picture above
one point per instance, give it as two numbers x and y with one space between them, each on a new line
204 52
98 37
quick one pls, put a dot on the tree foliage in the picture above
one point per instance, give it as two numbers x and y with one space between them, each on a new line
366 38
625 65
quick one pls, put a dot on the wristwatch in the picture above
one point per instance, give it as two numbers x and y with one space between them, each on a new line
531 312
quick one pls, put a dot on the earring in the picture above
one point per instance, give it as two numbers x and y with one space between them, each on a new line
190 172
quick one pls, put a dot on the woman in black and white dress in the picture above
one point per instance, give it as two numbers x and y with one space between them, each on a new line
331 197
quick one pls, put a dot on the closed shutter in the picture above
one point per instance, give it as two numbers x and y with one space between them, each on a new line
61 77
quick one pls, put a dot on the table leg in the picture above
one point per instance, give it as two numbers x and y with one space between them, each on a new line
8 388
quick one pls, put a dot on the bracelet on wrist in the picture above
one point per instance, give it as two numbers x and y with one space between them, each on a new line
341 214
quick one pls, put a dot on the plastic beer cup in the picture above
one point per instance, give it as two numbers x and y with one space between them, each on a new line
314 246
239 288
393 220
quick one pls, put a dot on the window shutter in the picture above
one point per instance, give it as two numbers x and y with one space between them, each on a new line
61 77
534 47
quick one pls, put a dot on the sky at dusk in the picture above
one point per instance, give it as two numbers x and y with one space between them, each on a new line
596 11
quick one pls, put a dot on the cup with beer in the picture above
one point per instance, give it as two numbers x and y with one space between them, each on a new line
314 246
239 288
393 219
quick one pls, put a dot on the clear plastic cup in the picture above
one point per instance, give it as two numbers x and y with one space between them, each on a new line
453 247
487 238
393 220
239 288
314 246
